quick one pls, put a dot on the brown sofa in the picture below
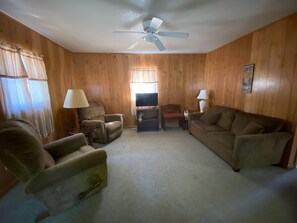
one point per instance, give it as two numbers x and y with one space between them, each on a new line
241 139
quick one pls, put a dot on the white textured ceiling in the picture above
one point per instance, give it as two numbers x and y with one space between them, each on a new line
88 25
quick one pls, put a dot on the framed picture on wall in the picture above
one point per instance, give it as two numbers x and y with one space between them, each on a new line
247 79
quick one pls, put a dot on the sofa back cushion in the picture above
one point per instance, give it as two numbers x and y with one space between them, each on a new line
268 123
251 128
211 116
227 116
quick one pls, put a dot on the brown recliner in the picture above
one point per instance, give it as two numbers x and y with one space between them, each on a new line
59 174
107 126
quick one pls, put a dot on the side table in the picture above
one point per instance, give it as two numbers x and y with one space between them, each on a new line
184 123
87 131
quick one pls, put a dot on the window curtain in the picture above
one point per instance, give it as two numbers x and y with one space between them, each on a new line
24 88
143 80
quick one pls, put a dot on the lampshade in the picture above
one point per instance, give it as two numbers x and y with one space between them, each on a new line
75 98
203 94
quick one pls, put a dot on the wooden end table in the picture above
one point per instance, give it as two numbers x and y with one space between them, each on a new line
184 123
87 131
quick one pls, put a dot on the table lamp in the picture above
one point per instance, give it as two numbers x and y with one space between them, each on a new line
76 98
202 97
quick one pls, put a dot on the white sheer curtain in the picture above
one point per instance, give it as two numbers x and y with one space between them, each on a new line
23 83
143 80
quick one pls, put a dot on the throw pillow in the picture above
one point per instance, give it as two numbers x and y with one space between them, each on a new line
210 117
251 128
226 119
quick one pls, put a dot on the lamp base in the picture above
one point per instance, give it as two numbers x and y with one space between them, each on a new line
202 104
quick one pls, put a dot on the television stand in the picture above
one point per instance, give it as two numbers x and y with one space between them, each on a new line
147 119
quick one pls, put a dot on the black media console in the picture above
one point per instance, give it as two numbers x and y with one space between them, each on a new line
147 119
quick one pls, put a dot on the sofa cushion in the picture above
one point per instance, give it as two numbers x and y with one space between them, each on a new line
204 127
268 123
113 126
99 117
211 116
251 128
227 116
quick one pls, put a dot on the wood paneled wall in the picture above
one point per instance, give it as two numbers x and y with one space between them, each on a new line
273 50
223 72
58 63
107 77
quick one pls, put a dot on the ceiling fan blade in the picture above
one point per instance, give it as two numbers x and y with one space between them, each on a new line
159 44
136 43
137 32
174 34
132 46
155 23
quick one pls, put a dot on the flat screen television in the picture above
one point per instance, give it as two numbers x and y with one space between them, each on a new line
146 99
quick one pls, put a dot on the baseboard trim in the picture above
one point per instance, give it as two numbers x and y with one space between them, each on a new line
130 127
290 166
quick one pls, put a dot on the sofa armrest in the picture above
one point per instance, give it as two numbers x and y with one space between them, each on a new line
69 168
113 117
195 116
65 145
259 149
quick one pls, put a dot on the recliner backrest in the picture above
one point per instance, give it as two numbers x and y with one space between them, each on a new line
94 111
21 149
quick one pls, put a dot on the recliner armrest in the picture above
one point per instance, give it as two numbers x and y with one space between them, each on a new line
65 170
113 117
98 124
94 123
65 145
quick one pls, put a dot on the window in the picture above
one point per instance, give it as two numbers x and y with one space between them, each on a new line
143 80
24 88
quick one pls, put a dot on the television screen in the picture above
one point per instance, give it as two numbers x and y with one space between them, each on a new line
147 99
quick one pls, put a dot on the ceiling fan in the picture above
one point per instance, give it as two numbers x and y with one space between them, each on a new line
151 33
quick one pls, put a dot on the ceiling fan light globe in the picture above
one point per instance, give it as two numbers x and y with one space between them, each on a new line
150 38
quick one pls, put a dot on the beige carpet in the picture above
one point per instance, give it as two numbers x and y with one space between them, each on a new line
171 177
